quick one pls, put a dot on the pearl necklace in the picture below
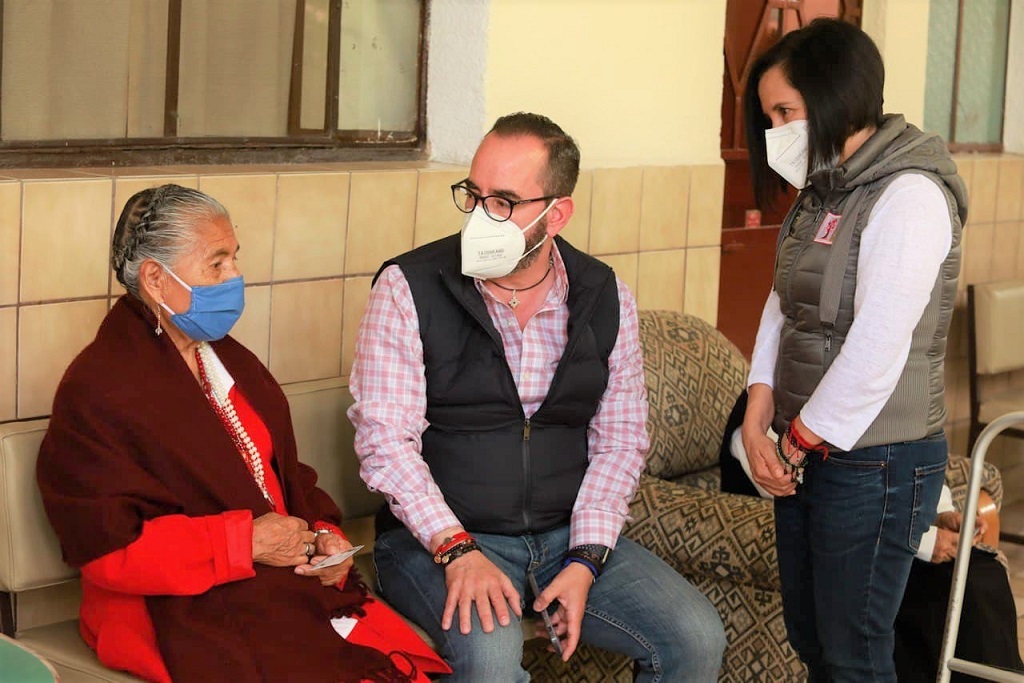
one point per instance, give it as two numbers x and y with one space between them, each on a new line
217 394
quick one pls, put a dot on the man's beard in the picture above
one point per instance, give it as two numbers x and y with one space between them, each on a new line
533 238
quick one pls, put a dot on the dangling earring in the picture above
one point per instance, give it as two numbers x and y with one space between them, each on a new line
159 330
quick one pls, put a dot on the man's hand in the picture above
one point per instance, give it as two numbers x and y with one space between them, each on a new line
280 541
472 578
327 545
570 588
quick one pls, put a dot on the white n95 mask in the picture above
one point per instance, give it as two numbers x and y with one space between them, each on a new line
787 150
490 248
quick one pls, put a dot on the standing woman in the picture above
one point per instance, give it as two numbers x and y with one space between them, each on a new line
848 364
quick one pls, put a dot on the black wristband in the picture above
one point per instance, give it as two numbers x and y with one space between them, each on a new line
592 554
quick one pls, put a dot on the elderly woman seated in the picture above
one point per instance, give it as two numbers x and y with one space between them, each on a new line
170 474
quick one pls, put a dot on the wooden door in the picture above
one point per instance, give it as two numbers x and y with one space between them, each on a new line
748 237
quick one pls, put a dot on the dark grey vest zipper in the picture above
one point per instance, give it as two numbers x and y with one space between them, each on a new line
828 349
527 498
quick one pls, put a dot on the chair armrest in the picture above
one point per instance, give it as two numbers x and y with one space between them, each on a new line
987 510
958 471
706 533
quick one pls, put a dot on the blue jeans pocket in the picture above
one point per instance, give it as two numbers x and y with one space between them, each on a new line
920 521
855 464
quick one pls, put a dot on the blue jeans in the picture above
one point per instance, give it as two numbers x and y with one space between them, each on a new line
846 541
640 607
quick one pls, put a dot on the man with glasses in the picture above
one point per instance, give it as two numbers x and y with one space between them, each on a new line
500 407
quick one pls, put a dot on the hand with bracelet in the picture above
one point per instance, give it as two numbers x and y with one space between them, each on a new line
795 446
570 588
472 579
765 467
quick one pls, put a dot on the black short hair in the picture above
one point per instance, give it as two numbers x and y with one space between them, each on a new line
838 71
563 168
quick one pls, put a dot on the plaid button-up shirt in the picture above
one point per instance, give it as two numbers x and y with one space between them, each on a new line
389 386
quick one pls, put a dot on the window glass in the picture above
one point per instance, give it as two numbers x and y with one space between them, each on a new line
966 74
979 112
938 87
79 70
379 48
114 72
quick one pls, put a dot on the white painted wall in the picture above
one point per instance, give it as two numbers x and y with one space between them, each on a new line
900 29
636 83
456 72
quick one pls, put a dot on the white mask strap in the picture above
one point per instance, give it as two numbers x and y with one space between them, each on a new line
180 281
534 247
533 223
541 215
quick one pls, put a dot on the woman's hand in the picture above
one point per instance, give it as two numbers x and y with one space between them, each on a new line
280 541
948 537
327 545
952 520
765 467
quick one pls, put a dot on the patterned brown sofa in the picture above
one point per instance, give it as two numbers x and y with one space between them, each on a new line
723 543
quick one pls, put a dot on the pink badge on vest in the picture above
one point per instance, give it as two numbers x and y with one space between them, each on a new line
827 230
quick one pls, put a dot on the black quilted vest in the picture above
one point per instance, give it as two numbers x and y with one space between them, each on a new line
499 472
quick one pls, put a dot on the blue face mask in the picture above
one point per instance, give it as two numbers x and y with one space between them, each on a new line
214 309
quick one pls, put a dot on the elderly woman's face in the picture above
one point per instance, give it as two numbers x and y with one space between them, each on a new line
214 259
780 101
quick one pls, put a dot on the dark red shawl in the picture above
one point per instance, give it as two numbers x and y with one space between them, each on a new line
132 438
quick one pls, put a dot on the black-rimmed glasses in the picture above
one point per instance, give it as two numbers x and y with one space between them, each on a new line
497 207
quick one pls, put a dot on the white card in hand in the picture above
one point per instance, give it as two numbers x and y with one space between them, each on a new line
337 558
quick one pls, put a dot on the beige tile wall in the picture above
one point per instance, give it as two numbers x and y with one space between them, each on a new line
312 238
993 244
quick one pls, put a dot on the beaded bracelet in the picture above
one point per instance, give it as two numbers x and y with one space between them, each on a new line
456 551
803 445
796 469
450 542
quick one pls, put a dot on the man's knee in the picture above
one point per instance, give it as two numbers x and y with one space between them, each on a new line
698 638
479 656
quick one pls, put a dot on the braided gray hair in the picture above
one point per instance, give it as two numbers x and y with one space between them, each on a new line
158 223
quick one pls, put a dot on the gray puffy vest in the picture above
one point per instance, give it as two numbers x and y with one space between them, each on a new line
816 282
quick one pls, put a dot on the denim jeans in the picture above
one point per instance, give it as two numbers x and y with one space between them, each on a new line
846 541
639 606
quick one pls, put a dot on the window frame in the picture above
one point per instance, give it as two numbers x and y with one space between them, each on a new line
980 147
301 145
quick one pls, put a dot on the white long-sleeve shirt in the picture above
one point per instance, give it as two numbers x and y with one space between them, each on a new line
924 551
903 245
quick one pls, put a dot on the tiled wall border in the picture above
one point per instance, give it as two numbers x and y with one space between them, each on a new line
312 236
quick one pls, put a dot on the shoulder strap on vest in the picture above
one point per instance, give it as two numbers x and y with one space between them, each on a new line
835 270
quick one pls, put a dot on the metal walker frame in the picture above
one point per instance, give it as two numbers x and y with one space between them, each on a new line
947 662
